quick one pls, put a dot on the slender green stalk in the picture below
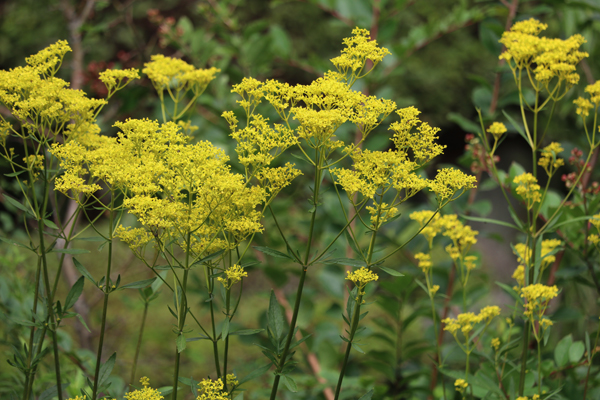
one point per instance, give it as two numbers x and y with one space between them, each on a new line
539 367
288 340
139 342
107 289
226 350
28 376
182 313
587 375
355 319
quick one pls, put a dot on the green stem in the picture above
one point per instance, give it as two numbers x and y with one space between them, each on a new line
226 350
107 289
355 319
288 340
182 312
214 337
525 345
587 376
539 367
28 376
51 320
139 342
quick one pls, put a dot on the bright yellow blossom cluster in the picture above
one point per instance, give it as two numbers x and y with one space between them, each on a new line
212 390
537 297
523 253
497 129
359 49
461 385
466 322
361 277
552 58
117 79
594 238
528 189
550 160
233 275
173 73
145 393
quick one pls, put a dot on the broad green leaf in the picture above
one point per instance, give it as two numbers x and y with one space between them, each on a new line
275 317
139 284
84 271
346 261
106 369
245 332
576 351
181 343
290 383
465 124
561 351
17 204
517 126
272 252
489 220
390 271
49 224
368 395
225 329
74 293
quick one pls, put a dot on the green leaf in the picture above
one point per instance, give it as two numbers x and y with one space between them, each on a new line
290 383
272 252
13 174
84 271
52 392
391 271
275 317
246 332
80 318
71 251
209 257
465 124
346 261
561 351
106 369
74 293
489 220
5 240
181 343
509 290
158 282
17 204
576 351
225 329
518 127
255 373
367 396
49 224
280 41
139 284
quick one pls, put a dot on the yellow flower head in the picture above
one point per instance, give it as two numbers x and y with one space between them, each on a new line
233 275
359 48
496 343
424 262
528 189
497 129
460 385
212 390
361 277
145 393
117 79
549 159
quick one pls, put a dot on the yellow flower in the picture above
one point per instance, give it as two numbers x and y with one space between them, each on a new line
113 78
424 262
549 160
212 390
496 343
234 274
361 277
497 129
358 50
528 189
145 393
460 385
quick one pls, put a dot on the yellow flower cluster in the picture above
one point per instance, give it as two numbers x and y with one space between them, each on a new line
43 103
175 189
523 253
117 79
528 189
173 73
534 397
212 390
358 50
461 385
537 297
465 322
594 238
550 160
145 393
553 58
360 278
233 275
496 343
424 262
497 129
